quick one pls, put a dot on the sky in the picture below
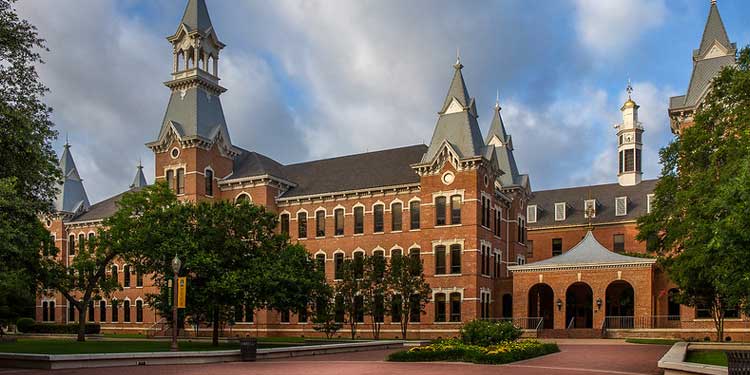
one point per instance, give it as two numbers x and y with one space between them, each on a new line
310 79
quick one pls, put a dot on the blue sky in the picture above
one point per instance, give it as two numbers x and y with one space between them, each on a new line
312 79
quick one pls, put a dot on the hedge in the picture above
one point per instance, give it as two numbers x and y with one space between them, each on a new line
457 351
91 328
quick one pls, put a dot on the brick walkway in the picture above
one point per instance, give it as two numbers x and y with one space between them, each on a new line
585 358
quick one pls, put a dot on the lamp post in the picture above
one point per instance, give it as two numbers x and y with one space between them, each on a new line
176 265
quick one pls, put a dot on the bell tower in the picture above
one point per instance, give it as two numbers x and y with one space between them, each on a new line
629 143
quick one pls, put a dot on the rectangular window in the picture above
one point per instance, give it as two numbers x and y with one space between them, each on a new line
440 307
302 315
358 263
320 262
702 311
377 218
102 311
126 277
396 308
209 182
456 209
138 279
589 208
249 314
284 316
637 160
619 243
302 225
455 307
621 206
440 260
498 262
338 307
530 248
498 222
649 203
338 264
414 215
359 220
619 158
338 221
126 311
320 224
560 211
115 311
71 245
485 212
181 181
285 224
359 309
629 160
170 179
414 310
455 259
531 213
415 261
556 246
396 217
91 311
440 211
139 311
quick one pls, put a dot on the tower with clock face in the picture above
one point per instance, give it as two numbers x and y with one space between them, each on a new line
629 143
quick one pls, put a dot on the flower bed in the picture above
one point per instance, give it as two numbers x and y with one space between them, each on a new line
456 350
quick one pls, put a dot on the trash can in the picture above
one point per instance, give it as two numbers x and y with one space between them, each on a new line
248 349
739 362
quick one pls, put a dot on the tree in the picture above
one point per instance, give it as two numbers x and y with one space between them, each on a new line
350 289
28 172
375 291
409 289
324 317
698 222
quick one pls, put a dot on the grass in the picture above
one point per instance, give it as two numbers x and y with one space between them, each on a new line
707 357
124 336
652 341
60 346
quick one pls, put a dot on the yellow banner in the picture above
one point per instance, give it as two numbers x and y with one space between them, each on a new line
181 290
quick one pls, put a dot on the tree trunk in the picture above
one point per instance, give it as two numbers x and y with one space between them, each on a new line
81 323
215 335
404 326
353 325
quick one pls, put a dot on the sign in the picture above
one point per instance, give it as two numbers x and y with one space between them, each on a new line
181 290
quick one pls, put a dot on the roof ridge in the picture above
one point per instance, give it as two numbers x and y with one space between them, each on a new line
593 186
352 155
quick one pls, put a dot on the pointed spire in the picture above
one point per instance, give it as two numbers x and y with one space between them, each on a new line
714 31
497 127
71 196
457 89
140 180
196 16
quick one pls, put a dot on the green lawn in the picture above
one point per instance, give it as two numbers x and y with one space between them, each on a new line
652 341
707 357
51 346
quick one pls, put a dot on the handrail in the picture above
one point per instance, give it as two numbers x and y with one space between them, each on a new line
539 326
571 323
150 330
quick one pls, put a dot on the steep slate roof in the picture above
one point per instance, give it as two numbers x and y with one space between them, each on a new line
460 129
250 163
101 210
72 195
194 114
705 69
354 172
605 197
196 16
140 180
587 252
504 151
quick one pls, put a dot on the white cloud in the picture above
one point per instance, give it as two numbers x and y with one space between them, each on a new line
609 28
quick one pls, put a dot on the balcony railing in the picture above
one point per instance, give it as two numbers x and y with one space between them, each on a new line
642 322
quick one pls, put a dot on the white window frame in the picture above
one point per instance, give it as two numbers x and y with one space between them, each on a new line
649 203
586 204
560 208
624 201
531 213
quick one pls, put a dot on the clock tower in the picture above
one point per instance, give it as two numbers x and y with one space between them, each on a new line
629 143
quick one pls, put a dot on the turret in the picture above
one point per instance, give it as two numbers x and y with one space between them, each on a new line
629 143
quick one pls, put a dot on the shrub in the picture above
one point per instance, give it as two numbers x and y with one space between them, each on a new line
485 333
455 350
23 324
91 328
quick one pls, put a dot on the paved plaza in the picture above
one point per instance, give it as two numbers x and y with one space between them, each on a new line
576 357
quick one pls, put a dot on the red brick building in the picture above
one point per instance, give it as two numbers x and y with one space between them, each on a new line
459 204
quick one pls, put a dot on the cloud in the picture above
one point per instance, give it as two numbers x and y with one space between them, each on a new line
609 28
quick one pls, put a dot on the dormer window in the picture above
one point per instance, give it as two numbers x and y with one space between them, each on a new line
589 208
560 211
531 213
621 206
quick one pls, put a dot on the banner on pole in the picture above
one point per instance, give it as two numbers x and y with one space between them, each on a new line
181 290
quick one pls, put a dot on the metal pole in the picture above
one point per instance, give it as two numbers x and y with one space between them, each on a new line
174 347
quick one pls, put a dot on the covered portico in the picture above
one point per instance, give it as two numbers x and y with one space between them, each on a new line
583 286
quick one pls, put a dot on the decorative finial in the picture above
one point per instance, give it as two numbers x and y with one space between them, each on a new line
140 164
713 2
458 65
629 89
497 99
67 144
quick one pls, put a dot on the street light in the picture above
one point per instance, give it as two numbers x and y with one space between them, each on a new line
176 265
598 304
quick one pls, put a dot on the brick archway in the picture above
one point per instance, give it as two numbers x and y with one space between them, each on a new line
620 304
542 304
579 306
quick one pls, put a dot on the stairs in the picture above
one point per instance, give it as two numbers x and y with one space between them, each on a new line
573 333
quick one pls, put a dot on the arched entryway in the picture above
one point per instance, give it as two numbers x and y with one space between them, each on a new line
507 306
579 306
620 304
541 304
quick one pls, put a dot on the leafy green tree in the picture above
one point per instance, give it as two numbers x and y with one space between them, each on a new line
699 217
28 172
350 289
375 291
324 317
409 288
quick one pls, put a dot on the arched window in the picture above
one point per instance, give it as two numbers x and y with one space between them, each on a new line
71 312
45 311
139 311
91 311
358 262
91 241
139 279
440 307
396 253
170 179
455 258
320 260
338 264
302 224
414 255
359 309
244 197
414 215
181 181
338 221
359 220
320 223
72 245
414 309
439 260
396 308
51 311
102 311
378 212
396 217
338 307
209 175
285 224
81 242
440 211
455 307
115 275
115 311
456 209
126 276
126 311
